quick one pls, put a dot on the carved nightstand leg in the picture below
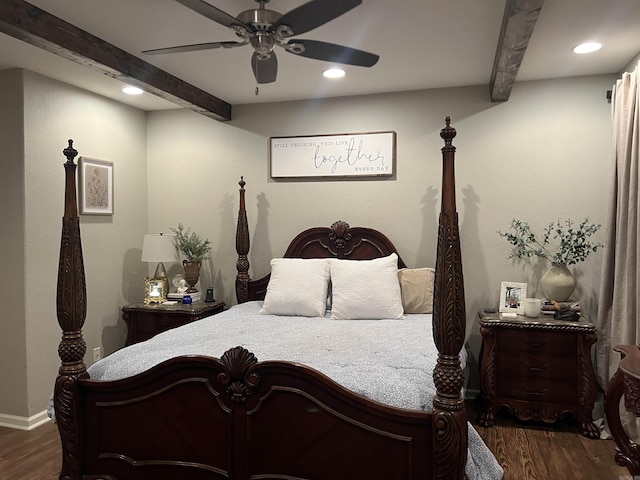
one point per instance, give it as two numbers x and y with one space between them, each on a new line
487 411
589 429
588 387
488 372
487 418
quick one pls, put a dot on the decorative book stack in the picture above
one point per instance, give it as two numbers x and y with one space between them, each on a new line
569 310
179 296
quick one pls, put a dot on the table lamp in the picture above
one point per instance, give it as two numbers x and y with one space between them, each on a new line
158 247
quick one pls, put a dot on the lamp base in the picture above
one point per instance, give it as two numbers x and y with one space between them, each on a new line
160 271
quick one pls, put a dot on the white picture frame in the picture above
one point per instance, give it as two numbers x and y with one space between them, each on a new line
333 156
95 183
512 295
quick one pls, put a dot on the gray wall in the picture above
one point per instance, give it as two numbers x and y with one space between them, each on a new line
54 112
13 348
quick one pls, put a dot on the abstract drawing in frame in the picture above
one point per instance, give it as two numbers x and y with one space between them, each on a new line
95 186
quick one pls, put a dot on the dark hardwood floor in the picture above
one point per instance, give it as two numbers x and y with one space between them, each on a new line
537 451
33 455
531 451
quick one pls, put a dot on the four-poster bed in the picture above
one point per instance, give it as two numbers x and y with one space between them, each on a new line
198 417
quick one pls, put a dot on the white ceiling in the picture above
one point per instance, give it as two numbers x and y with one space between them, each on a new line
422 44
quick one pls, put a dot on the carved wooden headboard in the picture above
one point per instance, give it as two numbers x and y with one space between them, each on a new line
337 241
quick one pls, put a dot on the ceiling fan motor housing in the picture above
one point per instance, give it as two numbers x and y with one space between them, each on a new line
261 19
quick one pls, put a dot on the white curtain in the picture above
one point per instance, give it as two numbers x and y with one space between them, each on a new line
618 314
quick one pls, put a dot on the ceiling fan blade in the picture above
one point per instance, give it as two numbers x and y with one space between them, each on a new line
213 13
193 48
312 14
265 71
334 53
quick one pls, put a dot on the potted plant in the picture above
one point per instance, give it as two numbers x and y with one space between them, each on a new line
195 250
572 245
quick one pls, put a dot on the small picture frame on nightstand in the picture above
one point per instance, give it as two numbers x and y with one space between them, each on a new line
512 295
155 290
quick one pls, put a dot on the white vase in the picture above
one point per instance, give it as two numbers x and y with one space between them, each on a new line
558 282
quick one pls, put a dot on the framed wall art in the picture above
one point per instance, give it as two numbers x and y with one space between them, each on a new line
95 186
325 156
155 290
512 295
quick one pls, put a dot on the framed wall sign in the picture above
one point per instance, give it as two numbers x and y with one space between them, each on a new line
95 183
344 155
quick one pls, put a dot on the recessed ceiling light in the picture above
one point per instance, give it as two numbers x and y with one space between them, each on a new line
587 47
130 90
333 73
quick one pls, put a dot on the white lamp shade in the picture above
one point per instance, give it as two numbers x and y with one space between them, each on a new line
158 247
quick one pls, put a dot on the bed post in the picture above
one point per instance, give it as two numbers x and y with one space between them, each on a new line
449 321
242 248
71 305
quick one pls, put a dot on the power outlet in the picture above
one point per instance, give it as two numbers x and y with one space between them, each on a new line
97 354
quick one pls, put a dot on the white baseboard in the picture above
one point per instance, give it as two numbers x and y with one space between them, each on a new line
24 423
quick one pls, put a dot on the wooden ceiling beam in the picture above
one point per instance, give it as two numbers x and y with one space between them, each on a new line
33 25
518 22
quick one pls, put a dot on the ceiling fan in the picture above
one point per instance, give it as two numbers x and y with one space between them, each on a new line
264 29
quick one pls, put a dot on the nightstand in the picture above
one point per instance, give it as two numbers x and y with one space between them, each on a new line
145 321
538 368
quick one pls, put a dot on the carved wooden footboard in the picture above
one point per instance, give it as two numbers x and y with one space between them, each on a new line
237 418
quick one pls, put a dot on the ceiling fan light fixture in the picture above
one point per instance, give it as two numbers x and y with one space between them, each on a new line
263 44
587 47
334 72
131 90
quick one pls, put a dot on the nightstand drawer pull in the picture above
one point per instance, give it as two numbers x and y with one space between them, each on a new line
536 369
535 393
537 345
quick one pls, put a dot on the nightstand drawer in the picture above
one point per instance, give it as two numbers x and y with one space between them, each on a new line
520 364
538 342
532 389
154 323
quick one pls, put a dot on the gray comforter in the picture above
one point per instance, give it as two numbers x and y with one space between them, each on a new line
390 361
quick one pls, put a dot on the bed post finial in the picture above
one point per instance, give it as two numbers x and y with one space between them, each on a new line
448 133
70 152
71 303
242 249
449 322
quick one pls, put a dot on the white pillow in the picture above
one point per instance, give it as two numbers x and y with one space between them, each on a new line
366 289
416 285
297 287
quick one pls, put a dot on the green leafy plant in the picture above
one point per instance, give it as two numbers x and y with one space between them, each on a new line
572 241
189 243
